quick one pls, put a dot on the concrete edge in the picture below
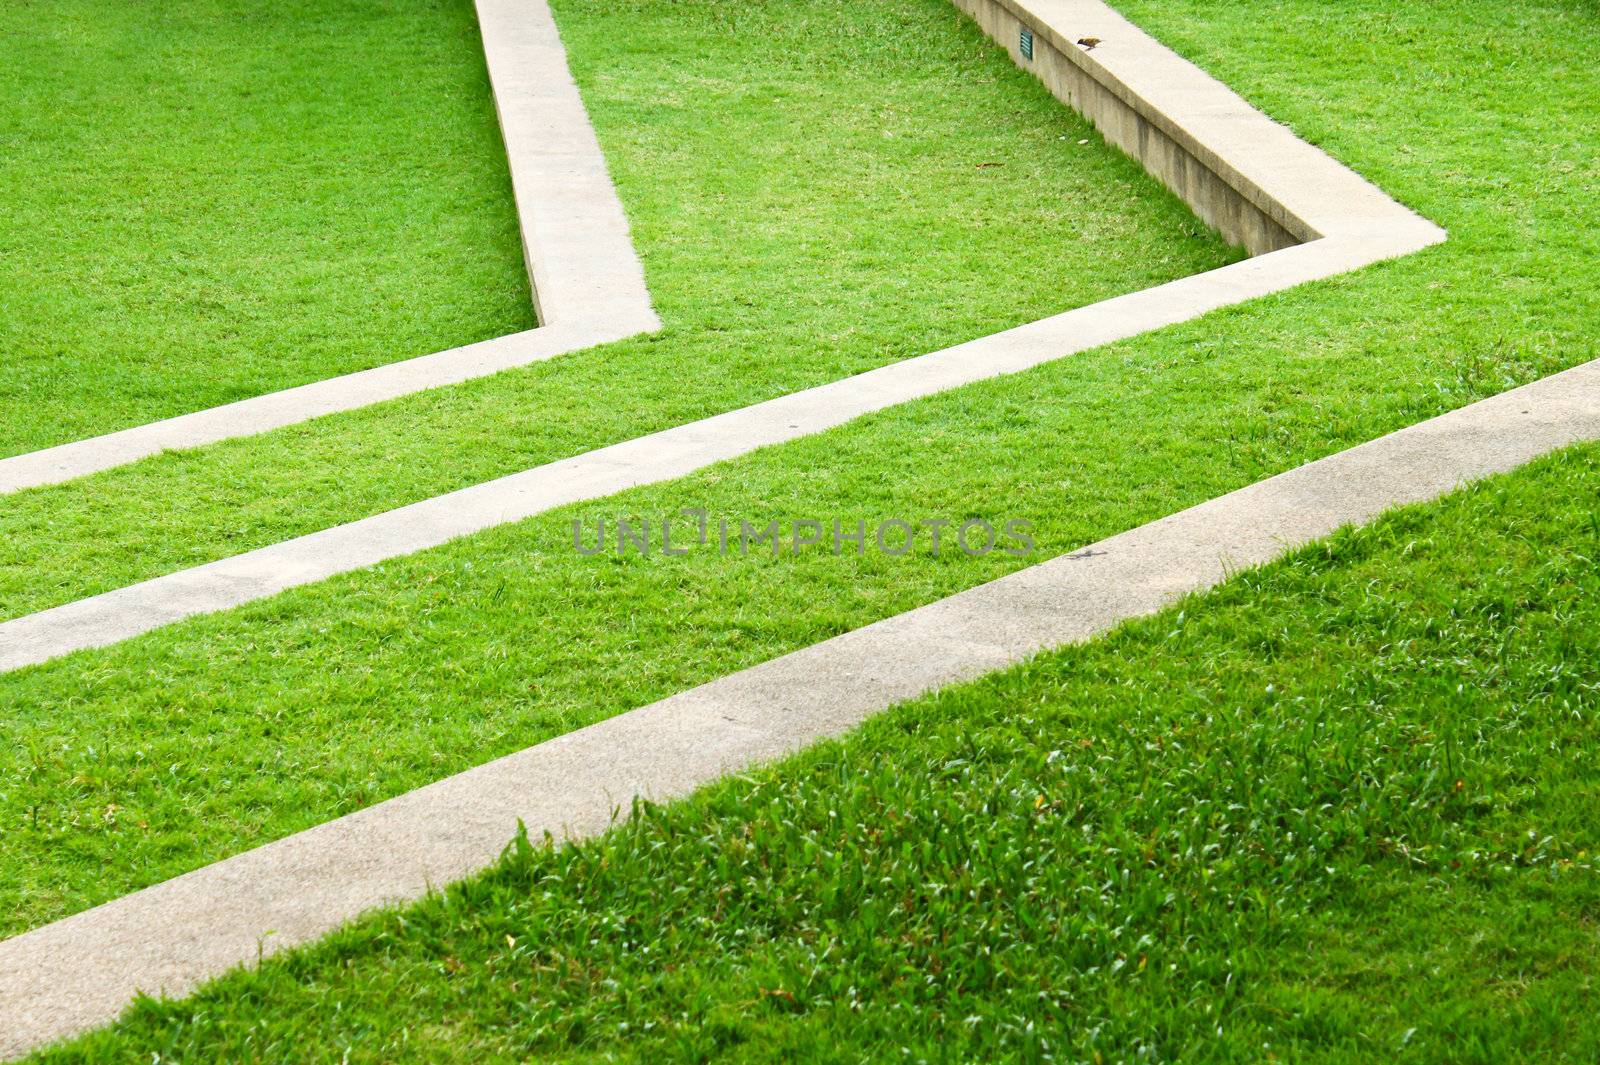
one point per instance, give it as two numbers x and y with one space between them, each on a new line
575 236
588 284
1238 170
80 972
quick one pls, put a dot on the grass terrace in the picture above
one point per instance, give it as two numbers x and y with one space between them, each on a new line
207 201
196 741
1339 810
1301 867
945 196
946 168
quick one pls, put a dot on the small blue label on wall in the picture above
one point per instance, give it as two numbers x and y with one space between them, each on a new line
1026 43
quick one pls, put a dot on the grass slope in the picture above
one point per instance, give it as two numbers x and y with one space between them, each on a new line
889 246
817 187
137 762
207 201
1339 810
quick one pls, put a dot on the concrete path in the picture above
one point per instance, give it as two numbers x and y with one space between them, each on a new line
588 285
80 972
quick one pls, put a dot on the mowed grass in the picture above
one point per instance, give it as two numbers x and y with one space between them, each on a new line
140 761
207 201
816 187
1339 810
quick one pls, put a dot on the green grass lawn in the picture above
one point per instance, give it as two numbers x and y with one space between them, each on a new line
140 761
206 201
1339 810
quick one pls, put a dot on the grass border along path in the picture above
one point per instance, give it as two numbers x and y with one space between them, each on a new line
1154 101
81 971
588 285
1348 239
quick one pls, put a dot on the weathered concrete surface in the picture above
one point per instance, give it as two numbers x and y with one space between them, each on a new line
574 233
587 282
79 972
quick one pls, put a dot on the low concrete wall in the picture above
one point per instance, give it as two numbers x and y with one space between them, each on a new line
1241 211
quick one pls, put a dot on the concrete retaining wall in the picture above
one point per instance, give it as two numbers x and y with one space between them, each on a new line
1243 212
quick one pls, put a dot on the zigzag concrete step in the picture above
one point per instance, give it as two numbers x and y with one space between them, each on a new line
588 286
79 972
